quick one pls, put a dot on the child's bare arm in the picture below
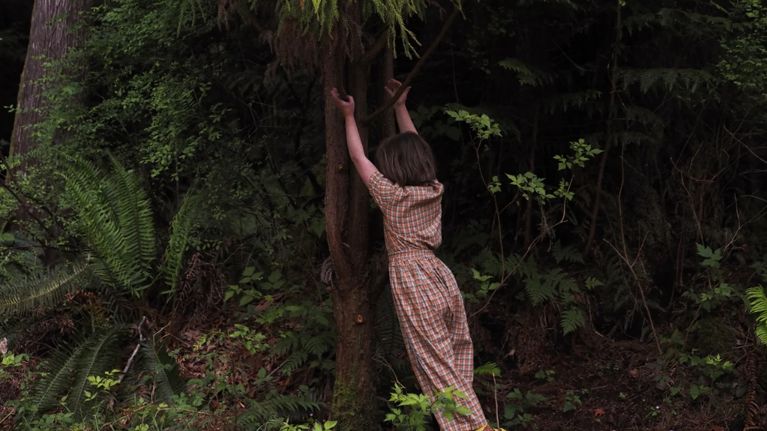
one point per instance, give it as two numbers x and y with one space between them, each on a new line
353 141
404 122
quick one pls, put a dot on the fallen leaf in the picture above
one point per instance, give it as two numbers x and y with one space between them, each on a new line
634 373
599 412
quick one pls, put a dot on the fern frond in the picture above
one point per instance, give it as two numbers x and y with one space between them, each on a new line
757 303
66 371
57 376
665 78
114 217
279 406
568 101
527 74
572 319
134 215
99 354
182 227
761 333
42 291
163 369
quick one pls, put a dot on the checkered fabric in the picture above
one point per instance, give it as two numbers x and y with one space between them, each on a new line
427 300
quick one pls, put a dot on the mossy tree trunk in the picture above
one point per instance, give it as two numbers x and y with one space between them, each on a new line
54 30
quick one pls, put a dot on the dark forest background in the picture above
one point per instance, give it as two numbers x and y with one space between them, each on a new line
184 245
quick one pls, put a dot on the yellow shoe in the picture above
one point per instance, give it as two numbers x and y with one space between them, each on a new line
489 428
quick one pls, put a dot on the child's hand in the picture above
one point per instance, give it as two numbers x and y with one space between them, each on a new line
345 104
391 89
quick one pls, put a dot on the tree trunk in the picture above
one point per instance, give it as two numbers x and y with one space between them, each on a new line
53 32
346 223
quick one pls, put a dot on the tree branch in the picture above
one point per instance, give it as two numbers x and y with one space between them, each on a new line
413 73
370 54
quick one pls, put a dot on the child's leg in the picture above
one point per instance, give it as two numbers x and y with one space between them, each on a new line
434 364
462 344
425 316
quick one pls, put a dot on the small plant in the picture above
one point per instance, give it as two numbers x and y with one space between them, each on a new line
717 291
545 375
711 370
518 405
252 340
104 383
11 360
316 426
413 411
572 401
241 289
482 125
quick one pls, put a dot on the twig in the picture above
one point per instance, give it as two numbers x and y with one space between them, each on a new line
625 255
495 398
135 350
413 73
7 416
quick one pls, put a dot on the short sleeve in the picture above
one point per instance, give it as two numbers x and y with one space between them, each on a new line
382 189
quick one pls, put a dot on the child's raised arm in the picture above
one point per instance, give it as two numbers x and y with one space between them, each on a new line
353 141
404 122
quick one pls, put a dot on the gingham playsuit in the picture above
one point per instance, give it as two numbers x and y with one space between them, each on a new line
427 300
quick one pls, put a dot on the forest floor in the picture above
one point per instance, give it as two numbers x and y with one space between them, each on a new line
627 385
596 383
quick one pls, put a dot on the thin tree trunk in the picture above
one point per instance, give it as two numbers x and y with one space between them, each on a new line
346 221
53 32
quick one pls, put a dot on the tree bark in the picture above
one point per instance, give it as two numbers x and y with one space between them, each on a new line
54 31
346 225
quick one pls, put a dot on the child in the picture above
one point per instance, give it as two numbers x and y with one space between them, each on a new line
426 297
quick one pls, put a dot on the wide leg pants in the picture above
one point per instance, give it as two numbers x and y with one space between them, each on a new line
432 317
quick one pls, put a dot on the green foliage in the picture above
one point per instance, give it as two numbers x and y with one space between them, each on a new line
481 125
163 369
526 73
412 411
518 405
67 370
572 401
711 258
316 426
115 219
718 291
324 15
663 79
42 291
757 301
182 230
103 383
275 405
12 360
252 340
488 369
582 152
533 187
744 62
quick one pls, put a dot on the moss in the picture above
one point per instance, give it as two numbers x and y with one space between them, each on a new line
352 409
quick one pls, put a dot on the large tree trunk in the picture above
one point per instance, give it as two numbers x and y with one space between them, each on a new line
53 32
346 221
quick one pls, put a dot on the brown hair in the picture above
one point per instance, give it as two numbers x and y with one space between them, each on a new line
406 159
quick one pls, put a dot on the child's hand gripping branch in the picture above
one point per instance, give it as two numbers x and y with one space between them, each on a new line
404 122
364 166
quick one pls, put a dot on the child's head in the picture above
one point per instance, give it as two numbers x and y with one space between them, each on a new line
406 159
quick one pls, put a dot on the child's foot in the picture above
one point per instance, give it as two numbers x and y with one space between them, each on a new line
489 428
